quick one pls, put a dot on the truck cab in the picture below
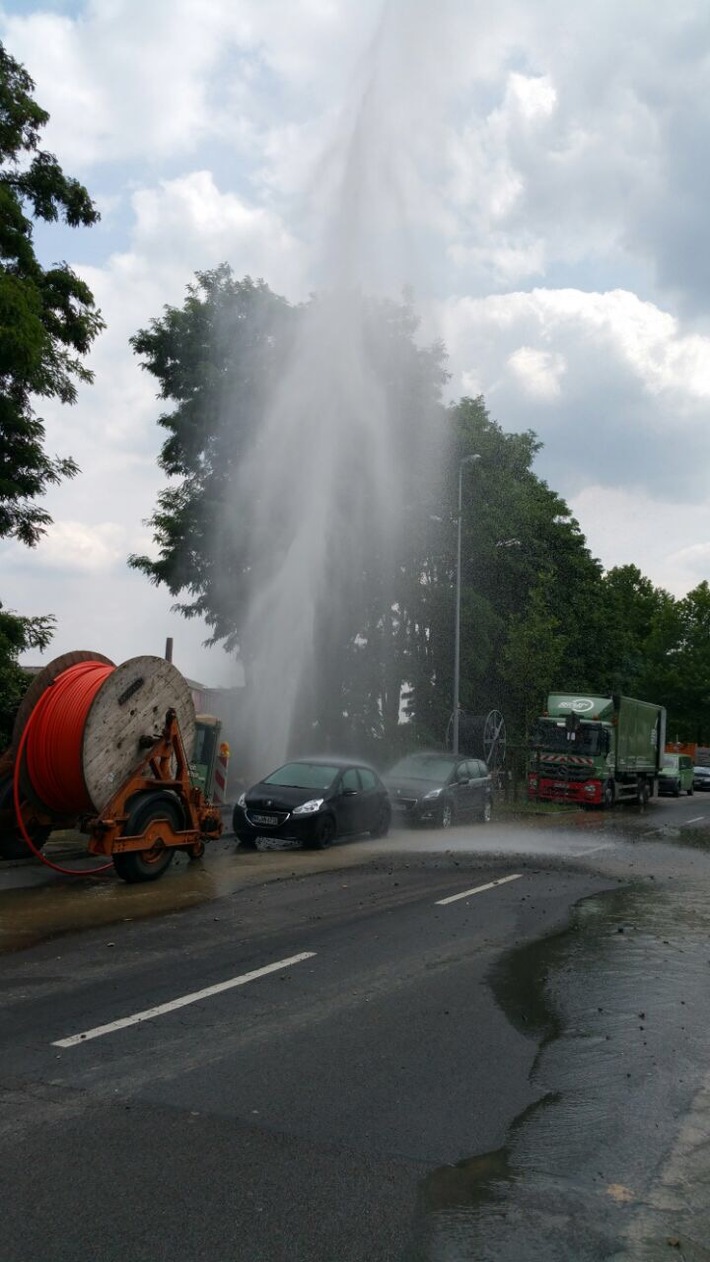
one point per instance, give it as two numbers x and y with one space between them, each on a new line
204 757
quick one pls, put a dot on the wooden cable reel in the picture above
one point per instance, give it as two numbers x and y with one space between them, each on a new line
107 748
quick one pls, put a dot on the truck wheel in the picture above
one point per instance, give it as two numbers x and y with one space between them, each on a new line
644 792
690 791
135 866
676 789
608 796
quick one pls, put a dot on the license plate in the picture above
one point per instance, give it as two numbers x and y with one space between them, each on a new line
560 784
264 819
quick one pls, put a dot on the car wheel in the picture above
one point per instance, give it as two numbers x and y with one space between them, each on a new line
246 842
384 819
446 814
690 791
325 833
486 814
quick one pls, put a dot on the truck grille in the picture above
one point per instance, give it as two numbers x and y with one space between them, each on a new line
572 773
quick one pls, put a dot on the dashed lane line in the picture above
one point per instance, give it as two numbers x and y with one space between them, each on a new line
182 1002
453 898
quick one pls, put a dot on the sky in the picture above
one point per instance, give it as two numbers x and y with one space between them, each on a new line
552 162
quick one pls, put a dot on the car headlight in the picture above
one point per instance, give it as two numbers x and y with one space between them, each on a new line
308 808
433 793
242 800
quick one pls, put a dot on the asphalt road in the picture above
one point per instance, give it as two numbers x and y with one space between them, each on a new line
493 1051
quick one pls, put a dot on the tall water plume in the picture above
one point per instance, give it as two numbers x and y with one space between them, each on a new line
348 437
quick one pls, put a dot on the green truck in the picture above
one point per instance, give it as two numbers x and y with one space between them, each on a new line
596 750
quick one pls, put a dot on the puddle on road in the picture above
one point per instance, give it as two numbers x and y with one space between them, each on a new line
69 904
604 1167
58 904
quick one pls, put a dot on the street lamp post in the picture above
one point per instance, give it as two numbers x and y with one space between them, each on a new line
457 626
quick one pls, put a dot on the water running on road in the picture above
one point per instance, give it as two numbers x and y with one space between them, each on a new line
604 1166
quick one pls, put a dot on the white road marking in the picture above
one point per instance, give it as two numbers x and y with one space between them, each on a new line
696 820
592 849
441 902
182 1002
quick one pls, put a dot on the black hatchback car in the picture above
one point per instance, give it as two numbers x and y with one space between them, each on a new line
440 789
313 800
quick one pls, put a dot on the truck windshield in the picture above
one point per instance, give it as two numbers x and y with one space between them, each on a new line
551 735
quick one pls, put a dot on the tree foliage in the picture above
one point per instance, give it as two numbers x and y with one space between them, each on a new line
522 552
48 321
17 635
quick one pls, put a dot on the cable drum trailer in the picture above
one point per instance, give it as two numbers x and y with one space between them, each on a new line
103 749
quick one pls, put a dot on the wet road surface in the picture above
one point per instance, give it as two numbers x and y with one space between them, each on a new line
516 1074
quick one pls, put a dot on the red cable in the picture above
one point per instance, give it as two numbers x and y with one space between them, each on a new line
53 737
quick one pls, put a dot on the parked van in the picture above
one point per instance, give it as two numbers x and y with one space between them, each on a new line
675 775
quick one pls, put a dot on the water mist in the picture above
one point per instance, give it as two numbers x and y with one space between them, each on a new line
345 441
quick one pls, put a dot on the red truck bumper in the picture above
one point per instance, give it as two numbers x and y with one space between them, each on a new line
548 789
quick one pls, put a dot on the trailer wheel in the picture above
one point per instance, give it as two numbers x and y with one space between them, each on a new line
135 866
12 843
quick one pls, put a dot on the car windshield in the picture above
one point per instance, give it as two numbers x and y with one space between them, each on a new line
670 761
303 775
423 767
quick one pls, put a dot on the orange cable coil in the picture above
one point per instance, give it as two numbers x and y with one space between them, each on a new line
55 733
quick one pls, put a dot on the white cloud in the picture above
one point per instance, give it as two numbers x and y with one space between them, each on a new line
539 170
539 372
669 542
78 546
641 338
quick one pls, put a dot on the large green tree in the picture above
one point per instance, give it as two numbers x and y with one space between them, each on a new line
272 408
48 321
521 551
679 665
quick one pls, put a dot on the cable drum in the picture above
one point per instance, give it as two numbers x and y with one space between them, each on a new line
482 736
85 731
132 704
53 738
